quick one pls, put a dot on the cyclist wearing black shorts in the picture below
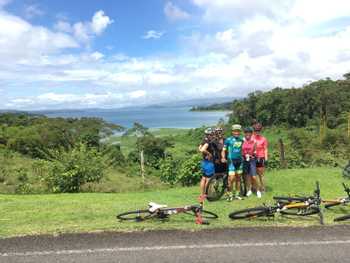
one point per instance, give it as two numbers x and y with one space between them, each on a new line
219 142
207 148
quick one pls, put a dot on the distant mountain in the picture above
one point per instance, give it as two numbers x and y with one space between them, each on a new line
12 111
194 102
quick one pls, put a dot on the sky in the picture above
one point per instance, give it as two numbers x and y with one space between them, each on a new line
113 53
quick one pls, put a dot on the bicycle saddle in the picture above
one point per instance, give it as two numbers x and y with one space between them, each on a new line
154 206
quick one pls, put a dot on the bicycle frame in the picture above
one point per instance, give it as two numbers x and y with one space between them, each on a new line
178 210
342 200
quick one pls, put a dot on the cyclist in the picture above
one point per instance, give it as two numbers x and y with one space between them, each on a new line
207 164
220 167
249 163
261 154
233 149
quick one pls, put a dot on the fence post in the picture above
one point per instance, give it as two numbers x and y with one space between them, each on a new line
282 153
142 163
349 125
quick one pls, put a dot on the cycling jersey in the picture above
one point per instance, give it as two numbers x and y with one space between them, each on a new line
261 145
210 149
249 148
218 146
233 147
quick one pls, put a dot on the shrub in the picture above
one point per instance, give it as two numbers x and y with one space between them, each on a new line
168 170
154 149
190 172
114 155
69 170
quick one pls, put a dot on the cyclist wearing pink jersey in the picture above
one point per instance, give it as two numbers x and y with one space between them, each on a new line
249 162
261 154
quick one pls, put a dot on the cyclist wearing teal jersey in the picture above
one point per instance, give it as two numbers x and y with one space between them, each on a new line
233 150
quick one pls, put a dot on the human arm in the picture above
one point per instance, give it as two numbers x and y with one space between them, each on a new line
204 149
266 150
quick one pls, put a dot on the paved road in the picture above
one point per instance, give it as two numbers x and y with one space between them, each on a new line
314 244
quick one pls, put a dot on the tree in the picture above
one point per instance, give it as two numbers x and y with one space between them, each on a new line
138 129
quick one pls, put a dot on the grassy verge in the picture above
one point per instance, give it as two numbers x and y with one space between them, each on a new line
49 214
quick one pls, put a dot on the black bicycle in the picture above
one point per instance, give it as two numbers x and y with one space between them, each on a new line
342 218
291 206
163 212
216 187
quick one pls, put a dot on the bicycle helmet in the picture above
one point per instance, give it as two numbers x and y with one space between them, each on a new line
208 131
248 130
218 130
257 127
236 127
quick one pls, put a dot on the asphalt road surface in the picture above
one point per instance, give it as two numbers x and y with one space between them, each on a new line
313 244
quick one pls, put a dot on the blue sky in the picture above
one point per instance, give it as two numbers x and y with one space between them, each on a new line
109 54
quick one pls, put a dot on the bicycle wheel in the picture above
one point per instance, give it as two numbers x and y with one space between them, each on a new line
205 214
215 188
307 211
138 216
249 213
331 204
342 218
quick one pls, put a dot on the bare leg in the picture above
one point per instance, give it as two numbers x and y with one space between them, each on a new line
254 182
238 183
260 172
203 185
230 180
248 182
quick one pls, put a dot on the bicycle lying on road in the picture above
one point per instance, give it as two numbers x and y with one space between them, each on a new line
291 206
163 212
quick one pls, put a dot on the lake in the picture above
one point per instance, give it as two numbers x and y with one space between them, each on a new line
151 117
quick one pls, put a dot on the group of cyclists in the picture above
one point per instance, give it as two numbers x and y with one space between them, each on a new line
241 157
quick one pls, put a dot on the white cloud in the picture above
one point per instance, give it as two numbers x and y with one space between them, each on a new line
100 22
19 40
233 11
152 34
174 13
259 45
97 55
318 11
85 31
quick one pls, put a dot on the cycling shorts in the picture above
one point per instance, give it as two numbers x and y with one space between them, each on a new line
235 166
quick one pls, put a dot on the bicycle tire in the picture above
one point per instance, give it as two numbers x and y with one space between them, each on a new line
215 188
138 216
329 205
308 211
249 213
205 214
342 218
